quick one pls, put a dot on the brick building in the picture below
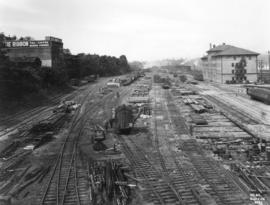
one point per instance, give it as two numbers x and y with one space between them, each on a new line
48 51
226 63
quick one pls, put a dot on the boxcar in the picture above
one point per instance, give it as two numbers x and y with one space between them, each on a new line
123 119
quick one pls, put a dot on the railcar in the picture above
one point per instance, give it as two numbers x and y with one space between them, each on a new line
131 78
261 94
124 119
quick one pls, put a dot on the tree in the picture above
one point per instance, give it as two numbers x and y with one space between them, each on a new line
136 65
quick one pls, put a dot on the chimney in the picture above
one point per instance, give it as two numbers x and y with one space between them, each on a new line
210 45
214 45
223 44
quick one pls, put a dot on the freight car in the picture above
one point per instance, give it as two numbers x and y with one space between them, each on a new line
131 78
261 94
123 119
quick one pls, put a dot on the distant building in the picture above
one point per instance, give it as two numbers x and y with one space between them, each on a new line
264 76
48 51
226 63
178 68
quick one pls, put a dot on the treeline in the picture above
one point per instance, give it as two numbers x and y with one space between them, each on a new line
81 65
17 80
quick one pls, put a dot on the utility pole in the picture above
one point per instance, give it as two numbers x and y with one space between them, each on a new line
260 66
268 60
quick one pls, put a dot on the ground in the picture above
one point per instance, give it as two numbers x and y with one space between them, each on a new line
166 159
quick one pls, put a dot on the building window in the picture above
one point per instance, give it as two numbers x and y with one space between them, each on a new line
245 78
232 71
249 58
232 78
232 64
234 58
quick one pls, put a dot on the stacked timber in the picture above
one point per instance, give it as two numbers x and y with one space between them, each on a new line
187 92
198 108
207 105
139 99
189 101
198 119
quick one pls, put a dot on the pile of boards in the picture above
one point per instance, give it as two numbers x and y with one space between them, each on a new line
198 119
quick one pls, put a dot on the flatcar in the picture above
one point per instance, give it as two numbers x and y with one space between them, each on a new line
261 94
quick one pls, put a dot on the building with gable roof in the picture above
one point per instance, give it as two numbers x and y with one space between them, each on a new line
229 64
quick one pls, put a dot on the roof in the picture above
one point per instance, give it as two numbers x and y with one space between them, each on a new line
204 57
219 48
228 50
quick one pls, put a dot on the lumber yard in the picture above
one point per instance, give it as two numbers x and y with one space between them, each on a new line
143 138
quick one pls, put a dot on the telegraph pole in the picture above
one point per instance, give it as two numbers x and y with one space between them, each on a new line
268 60
260 66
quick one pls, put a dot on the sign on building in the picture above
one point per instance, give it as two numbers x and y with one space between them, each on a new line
19 44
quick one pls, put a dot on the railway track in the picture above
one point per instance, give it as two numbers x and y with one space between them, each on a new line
62 187
24 114
163 187
32 113
159 188
220 187
245 118
178 178
26 118
68 182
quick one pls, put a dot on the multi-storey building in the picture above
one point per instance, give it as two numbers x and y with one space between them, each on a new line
48 51
226 63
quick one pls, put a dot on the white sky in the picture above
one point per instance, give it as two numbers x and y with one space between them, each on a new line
141 29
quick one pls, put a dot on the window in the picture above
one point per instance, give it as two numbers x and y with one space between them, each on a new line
232 78
249 58
232 64
245 78
245 71
232 71
234 58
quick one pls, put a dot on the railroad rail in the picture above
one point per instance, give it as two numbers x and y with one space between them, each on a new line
68 182
63 175
25 113
245 118
162 189
179 179
28 117
222 188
